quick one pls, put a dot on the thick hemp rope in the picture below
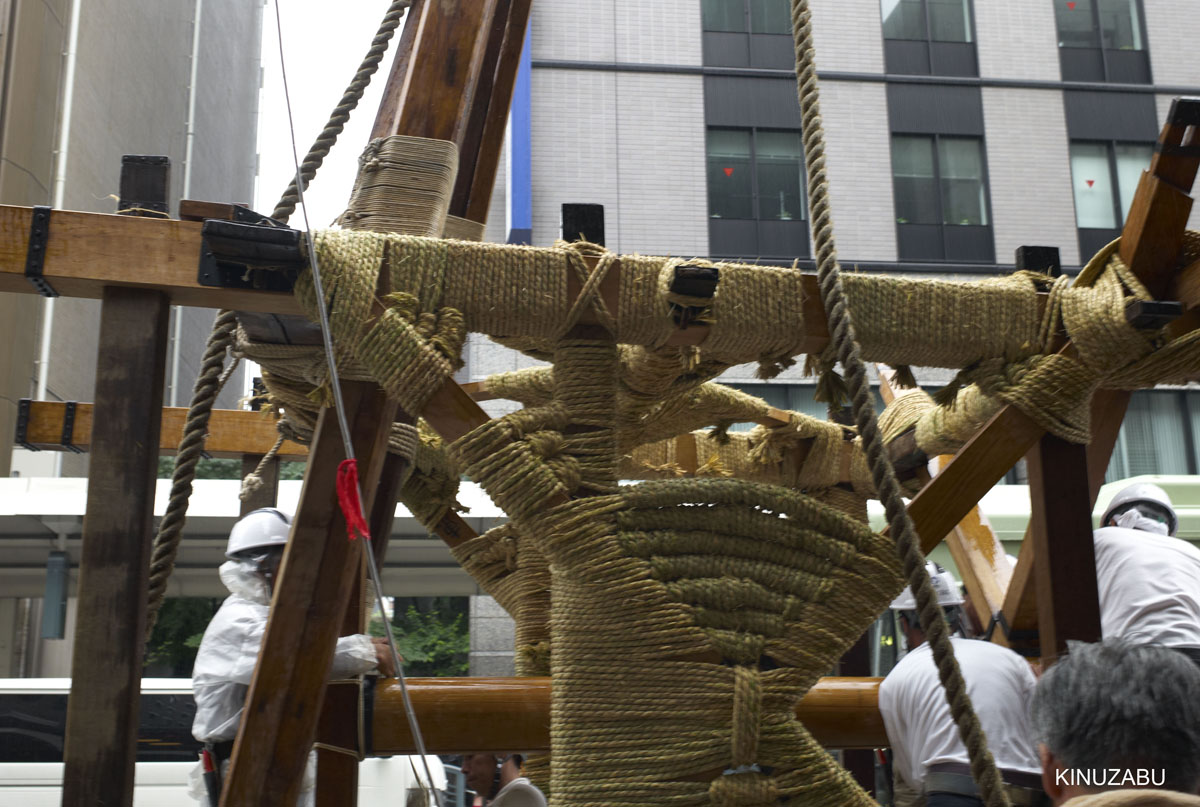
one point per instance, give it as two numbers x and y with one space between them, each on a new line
208 384
191 447
841 329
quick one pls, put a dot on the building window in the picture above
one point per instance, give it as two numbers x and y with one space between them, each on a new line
929 37
748 33
941 198
1105 176
1158 435
756 193
1102 40
754 16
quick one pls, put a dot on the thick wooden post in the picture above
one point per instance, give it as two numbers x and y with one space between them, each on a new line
106 668
268 494
100 748
1064 555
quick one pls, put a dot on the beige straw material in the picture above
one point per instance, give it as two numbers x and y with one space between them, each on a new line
403 186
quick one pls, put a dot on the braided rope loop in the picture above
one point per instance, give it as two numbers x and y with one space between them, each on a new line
841 329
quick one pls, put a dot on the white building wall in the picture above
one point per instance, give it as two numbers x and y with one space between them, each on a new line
859 165
569 30
1172 29
574 148
1029 172
848 35
662 204
1017 39
662 32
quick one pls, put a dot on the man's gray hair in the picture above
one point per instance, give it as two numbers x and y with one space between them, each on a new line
1119 705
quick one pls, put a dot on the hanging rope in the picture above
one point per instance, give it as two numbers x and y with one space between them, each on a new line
841 329
191 447
341 113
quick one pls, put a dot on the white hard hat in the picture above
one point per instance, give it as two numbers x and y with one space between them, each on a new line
944 585
1143 493
257 530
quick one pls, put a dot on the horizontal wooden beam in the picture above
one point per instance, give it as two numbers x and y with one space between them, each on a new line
87 251
463 715
232 433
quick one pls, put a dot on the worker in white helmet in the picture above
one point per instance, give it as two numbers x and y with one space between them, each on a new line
1149 581
229 650
928 756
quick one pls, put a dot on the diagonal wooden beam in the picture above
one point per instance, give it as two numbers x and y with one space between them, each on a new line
977 552
307 611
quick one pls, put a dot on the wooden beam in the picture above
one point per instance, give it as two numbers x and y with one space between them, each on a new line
87 252
1063 550
976 550
1020 601
464 715
430 92
106 668
307 611
483 175
232 433
268 494
979 465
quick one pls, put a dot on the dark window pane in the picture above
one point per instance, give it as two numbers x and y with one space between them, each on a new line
780 175
912 171
724 15
1132 160
730 185
770 17
1076 24
960 160
32 727
903 19
949 20
1120 28
1092 178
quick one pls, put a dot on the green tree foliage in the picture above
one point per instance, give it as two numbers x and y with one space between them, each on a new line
431 634
181 622
226 469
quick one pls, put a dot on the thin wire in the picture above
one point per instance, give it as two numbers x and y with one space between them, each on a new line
340 409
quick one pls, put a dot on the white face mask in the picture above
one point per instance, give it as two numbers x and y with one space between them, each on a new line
1132 519
241 577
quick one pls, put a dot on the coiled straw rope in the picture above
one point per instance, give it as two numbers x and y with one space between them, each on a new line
841 329
208 384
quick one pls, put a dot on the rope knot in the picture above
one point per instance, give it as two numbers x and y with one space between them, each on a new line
750 788
576 254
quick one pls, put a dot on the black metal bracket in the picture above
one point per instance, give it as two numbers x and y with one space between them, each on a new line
35 255
68 430
1152 314
1185 111
997 619
22 435
692 281
239 255
1039 259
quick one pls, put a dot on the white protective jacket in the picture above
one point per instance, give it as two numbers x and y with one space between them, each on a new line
229 651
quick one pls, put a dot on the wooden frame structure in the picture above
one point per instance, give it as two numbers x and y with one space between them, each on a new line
452 80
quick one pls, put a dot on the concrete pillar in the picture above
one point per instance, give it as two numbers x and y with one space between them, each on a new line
492 637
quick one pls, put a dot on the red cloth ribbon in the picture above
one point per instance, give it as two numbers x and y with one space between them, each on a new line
347 493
